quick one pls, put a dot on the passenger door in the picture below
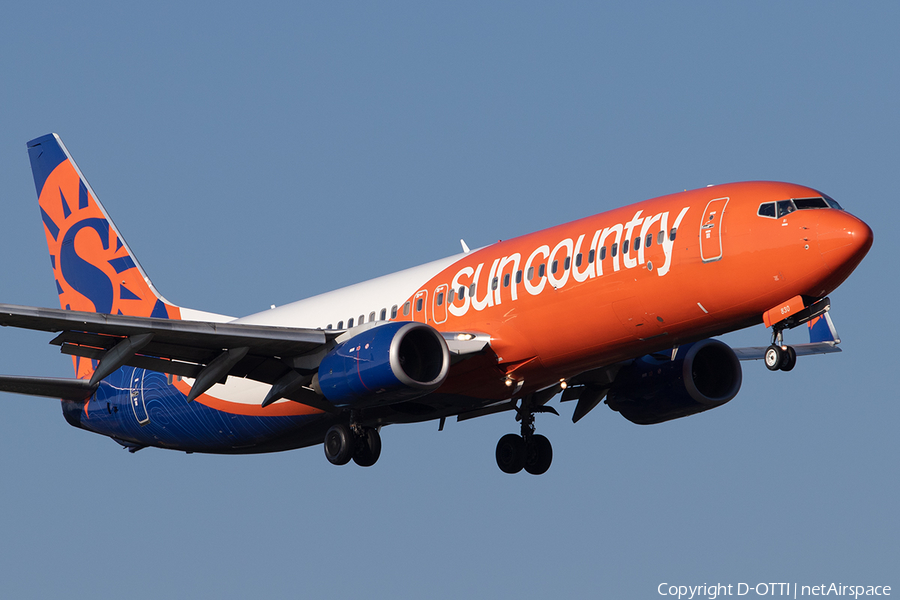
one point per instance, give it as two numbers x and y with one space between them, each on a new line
711 230
439 310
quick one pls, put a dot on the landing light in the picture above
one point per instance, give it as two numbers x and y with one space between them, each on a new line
465 337
563 384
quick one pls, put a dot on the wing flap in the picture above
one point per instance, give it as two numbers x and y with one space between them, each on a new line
173 367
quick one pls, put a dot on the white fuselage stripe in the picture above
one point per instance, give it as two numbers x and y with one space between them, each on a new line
352 301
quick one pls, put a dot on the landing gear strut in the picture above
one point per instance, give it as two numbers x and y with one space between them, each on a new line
351 441
778 356
530 451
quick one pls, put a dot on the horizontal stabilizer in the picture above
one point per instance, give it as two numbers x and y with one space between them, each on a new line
50 387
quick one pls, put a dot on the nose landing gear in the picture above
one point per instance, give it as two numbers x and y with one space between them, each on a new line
530 451
779 357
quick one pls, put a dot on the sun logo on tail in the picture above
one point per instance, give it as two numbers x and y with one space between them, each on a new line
93 269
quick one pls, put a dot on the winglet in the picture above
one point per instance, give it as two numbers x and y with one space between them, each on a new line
821 329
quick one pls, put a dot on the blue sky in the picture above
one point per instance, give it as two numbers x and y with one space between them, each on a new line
255 155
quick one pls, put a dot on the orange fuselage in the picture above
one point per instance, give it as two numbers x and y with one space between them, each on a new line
612 295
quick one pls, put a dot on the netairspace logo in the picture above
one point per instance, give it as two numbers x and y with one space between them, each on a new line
793 590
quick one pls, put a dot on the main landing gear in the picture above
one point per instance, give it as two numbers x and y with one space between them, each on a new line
779 357
351 441
530 451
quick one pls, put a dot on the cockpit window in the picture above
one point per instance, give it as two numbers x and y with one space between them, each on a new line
805 203
785 207
767 210
832 202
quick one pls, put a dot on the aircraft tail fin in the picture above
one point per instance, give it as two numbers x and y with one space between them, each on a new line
94 268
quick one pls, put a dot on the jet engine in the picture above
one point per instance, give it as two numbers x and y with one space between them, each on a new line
656 388
389 363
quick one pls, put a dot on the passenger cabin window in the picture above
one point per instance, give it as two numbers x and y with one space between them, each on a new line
340 325
649 240
462 292
440 299
660 237
329 326
637 244
383 316
394 311
406 307
419 305
451 296
672 234
591 257
542 270
362 319
494 283
614 249
472 291
567 263
625 247
506 280
603 253
519 276
371 316
350 323
530 273
554 267
578 260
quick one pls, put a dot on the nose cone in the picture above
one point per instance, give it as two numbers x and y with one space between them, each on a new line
843 238
844 241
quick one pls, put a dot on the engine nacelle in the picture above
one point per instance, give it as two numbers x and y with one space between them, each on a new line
389 363
654 389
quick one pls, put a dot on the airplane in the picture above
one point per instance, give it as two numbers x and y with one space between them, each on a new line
617 308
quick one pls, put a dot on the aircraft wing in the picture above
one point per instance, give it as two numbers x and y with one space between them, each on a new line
206 352
284 357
